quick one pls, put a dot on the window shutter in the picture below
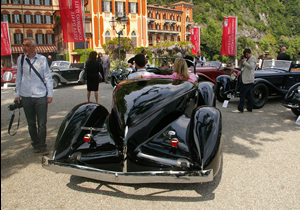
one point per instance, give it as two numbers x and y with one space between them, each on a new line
46 38
15 38
44 18
110 6
124 8
129 9
24 16
116 6
20 16
21 38
53 39
13 18
137 7
34 18
36 39
31 17
102 6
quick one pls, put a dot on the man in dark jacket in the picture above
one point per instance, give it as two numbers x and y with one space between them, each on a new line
283 55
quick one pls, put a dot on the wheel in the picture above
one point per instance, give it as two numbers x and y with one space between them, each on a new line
113 81
219 92
260 95
81 80
296 111
55 82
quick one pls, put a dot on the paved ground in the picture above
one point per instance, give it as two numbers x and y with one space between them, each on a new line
261 164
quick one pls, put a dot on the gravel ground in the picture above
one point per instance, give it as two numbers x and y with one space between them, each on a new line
261 164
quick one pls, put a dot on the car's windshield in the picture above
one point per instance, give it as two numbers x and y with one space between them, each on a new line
60 64
277 64
216 64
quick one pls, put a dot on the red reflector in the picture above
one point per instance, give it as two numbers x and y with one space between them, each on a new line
174 142
87 138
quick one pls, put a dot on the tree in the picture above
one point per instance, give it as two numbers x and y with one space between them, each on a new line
112 46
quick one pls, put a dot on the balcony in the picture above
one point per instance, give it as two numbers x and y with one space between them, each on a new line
156 31
149 20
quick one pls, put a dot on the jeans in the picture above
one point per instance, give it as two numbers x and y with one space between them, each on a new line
246 92
36 112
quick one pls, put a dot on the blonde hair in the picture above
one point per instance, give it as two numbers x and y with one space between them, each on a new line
180 67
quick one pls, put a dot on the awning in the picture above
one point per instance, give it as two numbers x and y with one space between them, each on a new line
39 49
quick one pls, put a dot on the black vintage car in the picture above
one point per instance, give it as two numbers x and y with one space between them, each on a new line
65 71
292 99
275 78
158 131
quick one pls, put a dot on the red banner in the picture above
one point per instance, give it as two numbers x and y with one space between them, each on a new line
229 33
195 39
71 20
5 41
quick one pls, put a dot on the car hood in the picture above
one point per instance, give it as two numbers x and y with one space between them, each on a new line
267 72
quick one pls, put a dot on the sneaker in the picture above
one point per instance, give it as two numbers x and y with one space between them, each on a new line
237 111
246 110
44 151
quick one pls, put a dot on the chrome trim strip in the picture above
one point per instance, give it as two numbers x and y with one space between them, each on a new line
290 105
129 177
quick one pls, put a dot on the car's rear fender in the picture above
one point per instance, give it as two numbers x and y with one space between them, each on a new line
206 94
114 74
70 134
61 79
225 81
205 132
205 77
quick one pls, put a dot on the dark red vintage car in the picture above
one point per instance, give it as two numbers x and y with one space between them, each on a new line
211 70
8 75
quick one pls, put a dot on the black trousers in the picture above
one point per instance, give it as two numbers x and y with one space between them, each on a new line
246 92
36 113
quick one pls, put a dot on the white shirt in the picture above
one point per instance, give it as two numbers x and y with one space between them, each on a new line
139 73
29 84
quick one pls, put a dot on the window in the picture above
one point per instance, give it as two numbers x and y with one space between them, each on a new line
29 35
133 38
149 15
37 2
133 7
178 38
27 18
38 19
178 28
172 28
119 8
187 19
178 18
106 7
49 39
5 17
4 1
172 38
15 1
48 19
157 16
107 36
165 27
172 17
157 26
17 18
150 39
88 27
18 38
48 2
165 16
187 11
26 1
165 38
40 38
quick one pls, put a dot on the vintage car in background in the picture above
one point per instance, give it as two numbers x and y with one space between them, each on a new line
155 65
275 79
64 71
8 75
158 131
212 69
292 99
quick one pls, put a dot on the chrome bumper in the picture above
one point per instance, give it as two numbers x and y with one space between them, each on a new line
290 105
129 177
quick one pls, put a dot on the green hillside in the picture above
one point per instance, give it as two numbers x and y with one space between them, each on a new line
262 25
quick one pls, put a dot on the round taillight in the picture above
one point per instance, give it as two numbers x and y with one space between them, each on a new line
174 142
87 138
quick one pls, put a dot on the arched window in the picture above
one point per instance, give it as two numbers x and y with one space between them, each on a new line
157 26
149 15
133 38
157 16
165 27
178 28
187 18
107 36
172 28
165 16
178 18
172 17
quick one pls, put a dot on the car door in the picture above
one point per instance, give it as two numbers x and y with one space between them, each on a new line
292 77
65 71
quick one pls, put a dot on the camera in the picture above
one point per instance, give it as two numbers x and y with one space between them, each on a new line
243 56
15 105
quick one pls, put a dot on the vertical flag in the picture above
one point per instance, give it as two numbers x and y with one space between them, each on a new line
229 39
5 41
71 20
195 39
